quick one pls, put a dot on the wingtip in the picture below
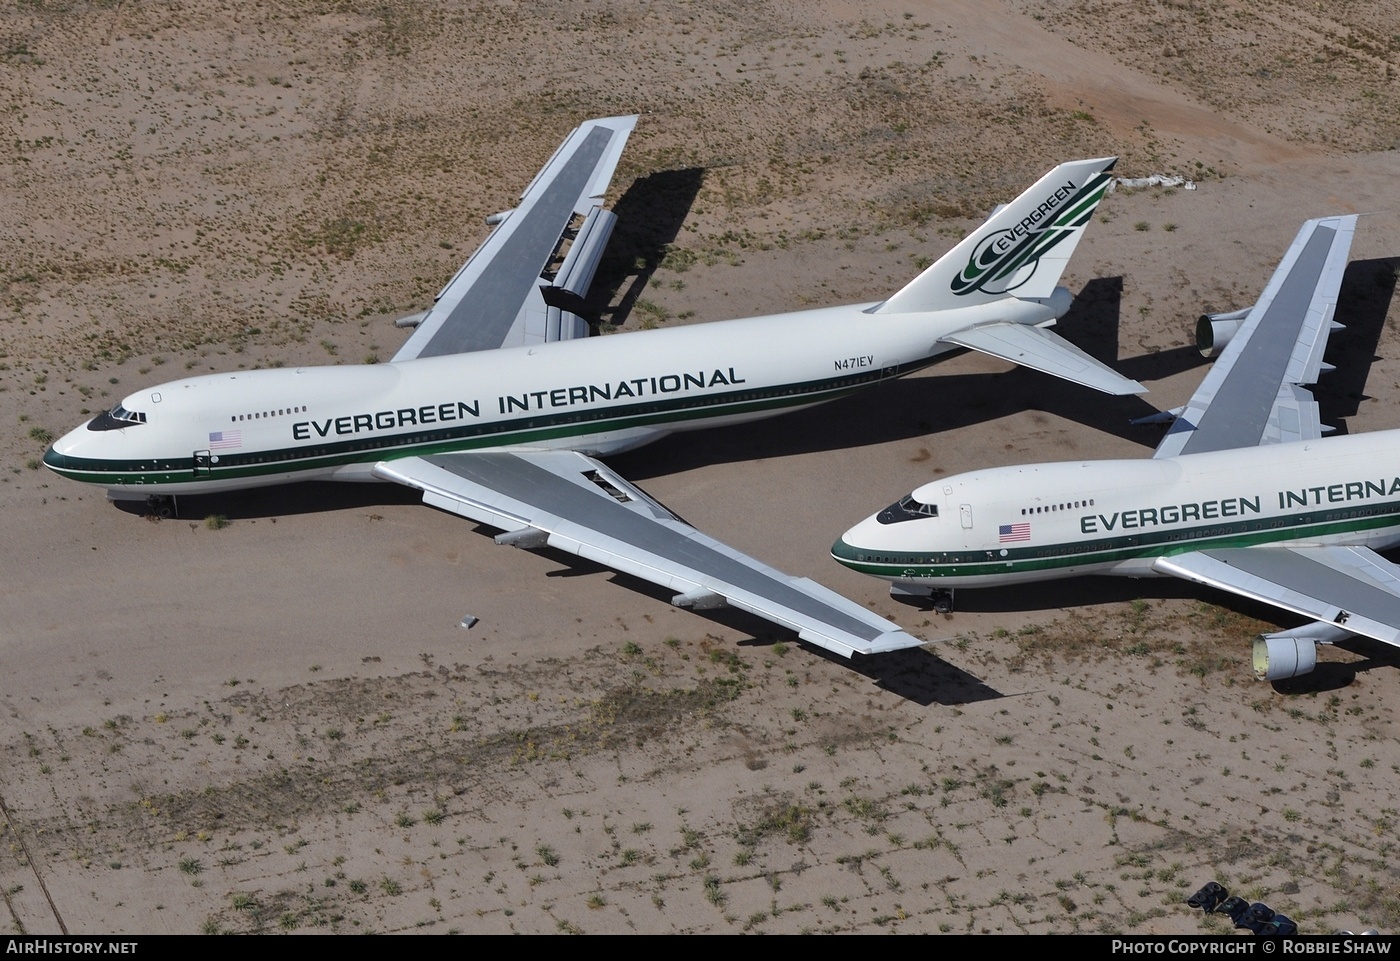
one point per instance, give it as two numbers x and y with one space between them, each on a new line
627 119
894 641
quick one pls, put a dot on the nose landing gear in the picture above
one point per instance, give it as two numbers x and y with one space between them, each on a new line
162 505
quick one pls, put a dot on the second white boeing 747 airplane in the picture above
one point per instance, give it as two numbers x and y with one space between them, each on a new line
1241 494
498 404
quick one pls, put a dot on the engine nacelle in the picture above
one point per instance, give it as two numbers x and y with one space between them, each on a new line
1277 657
411 320
1213 331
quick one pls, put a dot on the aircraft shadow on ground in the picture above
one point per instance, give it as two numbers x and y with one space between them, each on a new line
1071 592
649 218
1332 676
1362 305
916 674
287 500
921 677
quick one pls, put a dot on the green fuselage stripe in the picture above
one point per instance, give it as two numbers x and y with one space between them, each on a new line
1116 550
464 436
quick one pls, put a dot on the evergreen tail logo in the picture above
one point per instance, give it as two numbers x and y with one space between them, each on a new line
1006 259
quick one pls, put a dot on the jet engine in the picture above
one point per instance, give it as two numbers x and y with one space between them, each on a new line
1278 657
1213 331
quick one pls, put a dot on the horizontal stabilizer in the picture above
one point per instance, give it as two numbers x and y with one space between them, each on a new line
1161 417
1045 351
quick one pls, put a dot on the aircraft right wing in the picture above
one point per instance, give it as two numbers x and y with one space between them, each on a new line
571 502
1352 588
1254 393
512 292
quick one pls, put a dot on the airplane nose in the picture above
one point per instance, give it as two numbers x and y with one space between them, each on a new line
57 458
843 551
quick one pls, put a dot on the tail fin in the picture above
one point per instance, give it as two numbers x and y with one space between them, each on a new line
1020 251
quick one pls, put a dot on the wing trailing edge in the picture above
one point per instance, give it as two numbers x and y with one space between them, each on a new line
497 298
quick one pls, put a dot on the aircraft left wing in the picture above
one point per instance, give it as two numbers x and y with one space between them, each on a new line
1352 588
1254 393
1042 350
574 503
516 288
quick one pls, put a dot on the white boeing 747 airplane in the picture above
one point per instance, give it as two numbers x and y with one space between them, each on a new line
498 404
1241 494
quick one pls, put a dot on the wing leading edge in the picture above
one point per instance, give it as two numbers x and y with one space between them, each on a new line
1254 393
574 503
498 297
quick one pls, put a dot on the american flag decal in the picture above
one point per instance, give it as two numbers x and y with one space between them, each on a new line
225 439
1014 532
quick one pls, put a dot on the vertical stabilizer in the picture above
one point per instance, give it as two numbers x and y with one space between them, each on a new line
1020 251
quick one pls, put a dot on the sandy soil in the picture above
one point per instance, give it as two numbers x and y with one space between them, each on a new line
278 726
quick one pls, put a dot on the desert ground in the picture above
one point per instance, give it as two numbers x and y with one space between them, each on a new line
277 725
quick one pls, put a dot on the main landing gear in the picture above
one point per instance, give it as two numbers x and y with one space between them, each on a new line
162 505
941 599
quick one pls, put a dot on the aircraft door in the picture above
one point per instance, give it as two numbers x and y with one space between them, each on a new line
965 515
203 464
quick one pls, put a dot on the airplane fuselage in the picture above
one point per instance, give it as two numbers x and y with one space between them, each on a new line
1039 521
598 395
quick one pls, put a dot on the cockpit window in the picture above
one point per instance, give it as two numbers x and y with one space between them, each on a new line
116 419
907 509
915 507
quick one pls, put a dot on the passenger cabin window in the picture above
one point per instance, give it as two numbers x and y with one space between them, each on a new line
259 415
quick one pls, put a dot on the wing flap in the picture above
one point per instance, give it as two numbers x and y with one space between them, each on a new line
1352 588
495 299
586 509
1045 351
1254 393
